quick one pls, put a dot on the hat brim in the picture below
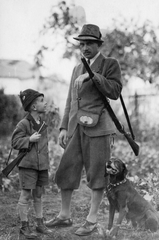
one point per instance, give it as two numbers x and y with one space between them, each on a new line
87 38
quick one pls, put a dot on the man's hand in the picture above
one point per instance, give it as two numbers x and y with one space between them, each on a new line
35 137
79 81
63 138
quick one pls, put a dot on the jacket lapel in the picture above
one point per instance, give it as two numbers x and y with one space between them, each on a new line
97 64
36 126
80 69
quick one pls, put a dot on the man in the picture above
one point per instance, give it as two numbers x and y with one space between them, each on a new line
86 129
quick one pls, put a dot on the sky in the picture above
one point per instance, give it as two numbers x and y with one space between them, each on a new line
21 21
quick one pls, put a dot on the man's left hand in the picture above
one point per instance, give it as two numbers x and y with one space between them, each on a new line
79 81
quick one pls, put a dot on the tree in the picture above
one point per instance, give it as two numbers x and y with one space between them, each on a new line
59 28
136 47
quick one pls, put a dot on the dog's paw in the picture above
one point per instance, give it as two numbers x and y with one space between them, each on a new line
114 231
108 236
107 233
151 224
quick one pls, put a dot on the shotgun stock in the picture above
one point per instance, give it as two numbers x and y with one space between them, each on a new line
118 125
6 171
20 156
132 143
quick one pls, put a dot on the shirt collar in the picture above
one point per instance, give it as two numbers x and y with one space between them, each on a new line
94 58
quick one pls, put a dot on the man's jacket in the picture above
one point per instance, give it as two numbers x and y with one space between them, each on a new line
37 158
107 77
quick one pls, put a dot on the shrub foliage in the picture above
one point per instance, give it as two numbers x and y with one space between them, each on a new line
10 112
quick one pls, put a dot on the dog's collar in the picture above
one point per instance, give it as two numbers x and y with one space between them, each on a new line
111 185
119 183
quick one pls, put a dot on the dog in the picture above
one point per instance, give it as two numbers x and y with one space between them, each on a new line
124 198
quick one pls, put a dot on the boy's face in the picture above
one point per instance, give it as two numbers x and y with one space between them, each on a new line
40 104
89 48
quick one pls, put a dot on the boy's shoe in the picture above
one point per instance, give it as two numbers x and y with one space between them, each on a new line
87 228
26 231
57 222
41 228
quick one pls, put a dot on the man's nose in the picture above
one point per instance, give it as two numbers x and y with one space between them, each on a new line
85 47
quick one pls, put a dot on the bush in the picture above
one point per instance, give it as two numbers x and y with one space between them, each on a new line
10 113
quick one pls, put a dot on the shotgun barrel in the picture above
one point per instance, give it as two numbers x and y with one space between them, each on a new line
119 126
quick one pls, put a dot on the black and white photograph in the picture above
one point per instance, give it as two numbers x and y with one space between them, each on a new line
79 119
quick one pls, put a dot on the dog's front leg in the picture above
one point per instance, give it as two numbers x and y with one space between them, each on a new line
115 229
111 215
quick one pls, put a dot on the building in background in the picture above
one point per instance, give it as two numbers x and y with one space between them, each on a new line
17 75
55 89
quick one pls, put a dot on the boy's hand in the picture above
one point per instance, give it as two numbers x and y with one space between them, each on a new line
35 137
63 138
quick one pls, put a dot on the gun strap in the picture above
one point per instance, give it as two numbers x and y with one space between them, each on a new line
127 117
113 116
9 156
110 111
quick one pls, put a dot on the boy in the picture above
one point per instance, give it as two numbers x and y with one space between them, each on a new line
33 169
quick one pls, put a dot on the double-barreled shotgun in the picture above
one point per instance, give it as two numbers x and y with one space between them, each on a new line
119 126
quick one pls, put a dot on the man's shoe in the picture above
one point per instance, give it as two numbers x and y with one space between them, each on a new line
57 222
86 229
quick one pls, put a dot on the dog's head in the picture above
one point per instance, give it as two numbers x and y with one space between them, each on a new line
116 168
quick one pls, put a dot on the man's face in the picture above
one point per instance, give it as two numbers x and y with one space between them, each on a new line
89 48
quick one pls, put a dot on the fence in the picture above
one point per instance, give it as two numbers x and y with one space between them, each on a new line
143 111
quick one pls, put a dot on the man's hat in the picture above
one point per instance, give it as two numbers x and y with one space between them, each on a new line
28 96
90 32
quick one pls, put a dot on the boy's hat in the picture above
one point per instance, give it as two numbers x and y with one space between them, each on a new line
28 96
90 32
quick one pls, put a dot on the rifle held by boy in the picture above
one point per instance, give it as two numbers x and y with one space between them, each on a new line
119 126
6 171
15 162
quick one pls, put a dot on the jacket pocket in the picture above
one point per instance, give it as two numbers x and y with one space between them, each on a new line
87 119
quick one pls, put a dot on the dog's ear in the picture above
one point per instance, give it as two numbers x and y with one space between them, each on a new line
125 171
